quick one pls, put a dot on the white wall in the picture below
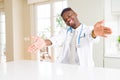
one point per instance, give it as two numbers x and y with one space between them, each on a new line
89 11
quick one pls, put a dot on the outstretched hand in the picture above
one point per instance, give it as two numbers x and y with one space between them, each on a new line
100 30
37 44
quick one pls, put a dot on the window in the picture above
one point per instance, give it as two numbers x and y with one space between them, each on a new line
45 19
46 15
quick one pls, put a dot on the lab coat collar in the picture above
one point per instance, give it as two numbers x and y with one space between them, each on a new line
78 28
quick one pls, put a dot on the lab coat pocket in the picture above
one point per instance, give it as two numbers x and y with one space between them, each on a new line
68 39
82 56
85 56
83 42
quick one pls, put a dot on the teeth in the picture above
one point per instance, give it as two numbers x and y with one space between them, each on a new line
70 21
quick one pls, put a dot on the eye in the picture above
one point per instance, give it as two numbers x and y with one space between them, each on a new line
65 19
69 15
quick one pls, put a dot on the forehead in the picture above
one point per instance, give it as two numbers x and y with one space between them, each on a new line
67 13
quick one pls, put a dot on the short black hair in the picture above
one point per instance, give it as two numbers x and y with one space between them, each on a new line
66 9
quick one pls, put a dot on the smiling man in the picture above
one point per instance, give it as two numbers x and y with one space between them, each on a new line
76 40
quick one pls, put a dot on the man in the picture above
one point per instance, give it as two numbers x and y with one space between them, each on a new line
76 40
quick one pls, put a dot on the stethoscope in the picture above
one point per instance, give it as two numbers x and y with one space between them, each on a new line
79 37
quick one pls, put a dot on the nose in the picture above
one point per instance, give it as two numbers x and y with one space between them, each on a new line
68 20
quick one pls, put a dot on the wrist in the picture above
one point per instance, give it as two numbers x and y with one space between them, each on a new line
93 34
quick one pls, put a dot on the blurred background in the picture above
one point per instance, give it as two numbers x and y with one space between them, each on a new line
21 19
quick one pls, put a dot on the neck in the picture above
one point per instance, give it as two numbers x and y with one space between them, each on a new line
76 26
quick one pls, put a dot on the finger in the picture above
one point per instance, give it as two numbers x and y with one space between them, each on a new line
105 34
107 30
35 38
100 23
33 49
40 45
37 45
99 26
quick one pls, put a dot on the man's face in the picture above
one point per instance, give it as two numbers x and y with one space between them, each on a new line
70 18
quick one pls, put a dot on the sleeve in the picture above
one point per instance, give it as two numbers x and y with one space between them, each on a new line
58 39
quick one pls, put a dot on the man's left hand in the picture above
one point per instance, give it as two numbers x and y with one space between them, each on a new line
100 30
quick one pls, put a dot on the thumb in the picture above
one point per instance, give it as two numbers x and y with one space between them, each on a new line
34 38
101 22
99 25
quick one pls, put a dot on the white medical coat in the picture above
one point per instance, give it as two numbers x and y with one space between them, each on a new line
84 52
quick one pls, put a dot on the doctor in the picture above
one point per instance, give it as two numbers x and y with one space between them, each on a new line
77 49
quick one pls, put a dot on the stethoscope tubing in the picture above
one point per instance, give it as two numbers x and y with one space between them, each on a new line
70 30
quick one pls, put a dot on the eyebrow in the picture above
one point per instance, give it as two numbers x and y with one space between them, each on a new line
69 14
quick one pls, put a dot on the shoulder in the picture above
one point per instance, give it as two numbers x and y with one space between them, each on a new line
61 32
88 27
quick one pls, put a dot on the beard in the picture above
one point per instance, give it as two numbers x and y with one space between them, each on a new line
72 24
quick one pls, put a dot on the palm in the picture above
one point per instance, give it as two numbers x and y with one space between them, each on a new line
100 30
38 44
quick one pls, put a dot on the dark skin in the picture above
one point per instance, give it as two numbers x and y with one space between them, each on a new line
71 19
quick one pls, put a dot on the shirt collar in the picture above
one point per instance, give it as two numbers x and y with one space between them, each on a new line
78 28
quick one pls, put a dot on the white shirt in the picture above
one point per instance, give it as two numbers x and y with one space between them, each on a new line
84 47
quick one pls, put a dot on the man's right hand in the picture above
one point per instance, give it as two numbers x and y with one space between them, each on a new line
37 44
